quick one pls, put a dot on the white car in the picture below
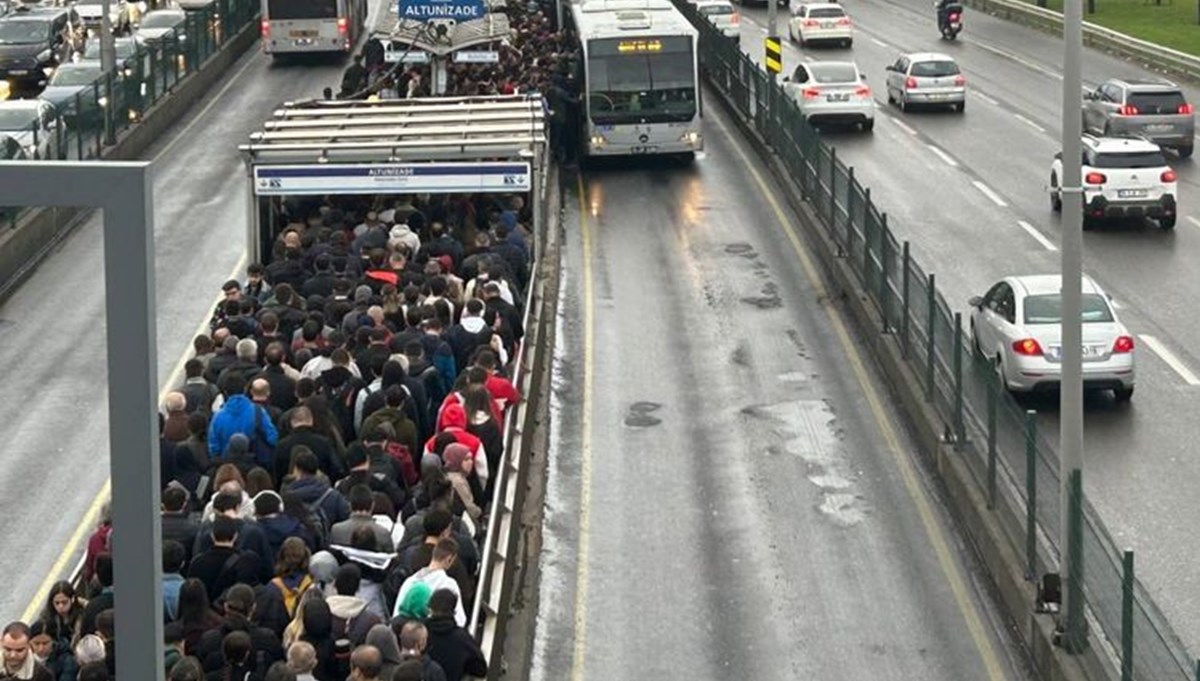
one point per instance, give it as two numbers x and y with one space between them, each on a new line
720 13
120 15
832 92
820 22
34 123
1122 177
1018 326
926 78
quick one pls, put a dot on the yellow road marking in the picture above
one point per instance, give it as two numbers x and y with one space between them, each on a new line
88 520
903 461
585 494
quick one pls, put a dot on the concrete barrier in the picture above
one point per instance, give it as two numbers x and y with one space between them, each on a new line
25 245
988 530
1146 54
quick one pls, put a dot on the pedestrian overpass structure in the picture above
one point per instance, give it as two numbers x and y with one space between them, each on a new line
412 146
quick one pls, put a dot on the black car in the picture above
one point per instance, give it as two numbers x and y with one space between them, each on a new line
33 42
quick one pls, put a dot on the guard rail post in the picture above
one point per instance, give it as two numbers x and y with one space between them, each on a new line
832 184
904 295
1127 616
993 396
931 306
1030 494
883 270
844 247
960 434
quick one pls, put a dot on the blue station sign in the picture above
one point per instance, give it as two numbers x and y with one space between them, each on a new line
429 10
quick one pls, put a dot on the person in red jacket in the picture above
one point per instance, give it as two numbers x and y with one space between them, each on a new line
455 420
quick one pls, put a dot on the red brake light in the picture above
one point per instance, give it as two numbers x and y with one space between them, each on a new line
810 22
1028 347
735 18
811 93
863 91
1185 108
960 81
1095 178
1123 344
844 21
910 83
343 25
1168 176
1128 110
266 28
954 17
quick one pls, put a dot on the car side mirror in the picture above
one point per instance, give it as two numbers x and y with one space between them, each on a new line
787 79
975 301
862 77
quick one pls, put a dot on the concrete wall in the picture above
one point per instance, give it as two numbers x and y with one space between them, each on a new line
23 247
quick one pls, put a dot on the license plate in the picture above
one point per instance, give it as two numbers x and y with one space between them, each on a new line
827 24
1132 193
1088 351
644 150
19 72
1160 127
837 98
303 34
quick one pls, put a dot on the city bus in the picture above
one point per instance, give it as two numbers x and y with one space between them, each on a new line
641 79
291 26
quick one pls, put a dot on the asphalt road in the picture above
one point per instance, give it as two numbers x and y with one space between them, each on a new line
723 501
52 331
960 188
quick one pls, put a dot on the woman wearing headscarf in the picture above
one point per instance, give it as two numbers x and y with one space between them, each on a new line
459 464
413 607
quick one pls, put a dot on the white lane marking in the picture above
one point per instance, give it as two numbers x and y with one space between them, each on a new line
1169 357
1193 220
986 98
905 127
1019 59
879 42
1041 238
943 155
988 192
1028 122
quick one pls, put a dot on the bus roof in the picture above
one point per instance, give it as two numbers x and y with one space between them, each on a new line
352 131
617 18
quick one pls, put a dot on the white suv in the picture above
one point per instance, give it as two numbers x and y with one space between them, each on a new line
1122 177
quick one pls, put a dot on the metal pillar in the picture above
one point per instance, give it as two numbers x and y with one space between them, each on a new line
123 192
439 74
1071 419
108 64
772 11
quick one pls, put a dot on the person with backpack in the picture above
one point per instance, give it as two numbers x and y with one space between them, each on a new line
352 619
327 504
291 578
359 460
239 611
341 386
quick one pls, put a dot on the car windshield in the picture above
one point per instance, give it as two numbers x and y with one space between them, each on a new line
833 73
1156 102
125 49
1129 159
709 10
160 20
24 32
934 69
1047 309
826 13
76 75
17 119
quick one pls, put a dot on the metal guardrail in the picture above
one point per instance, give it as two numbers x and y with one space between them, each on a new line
1012 464
1156 57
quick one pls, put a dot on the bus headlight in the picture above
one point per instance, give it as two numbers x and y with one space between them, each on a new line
598 140
690 137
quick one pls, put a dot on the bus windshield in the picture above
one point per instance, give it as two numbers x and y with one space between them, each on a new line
279 10
632 80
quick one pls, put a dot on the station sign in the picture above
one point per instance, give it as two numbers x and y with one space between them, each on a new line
431 10
391 178
394 56
477 57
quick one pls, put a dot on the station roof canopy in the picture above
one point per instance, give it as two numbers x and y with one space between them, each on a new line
488 29
392 130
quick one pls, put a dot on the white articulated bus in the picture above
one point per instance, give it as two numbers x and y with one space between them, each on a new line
290 26
641 78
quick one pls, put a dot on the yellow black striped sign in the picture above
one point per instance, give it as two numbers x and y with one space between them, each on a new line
774 54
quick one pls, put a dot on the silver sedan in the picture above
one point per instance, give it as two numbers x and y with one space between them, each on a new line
1018 325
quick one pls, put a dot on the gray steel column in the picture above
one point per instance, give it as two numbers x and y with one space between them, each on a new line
133 426
772 11
108 50
1071 417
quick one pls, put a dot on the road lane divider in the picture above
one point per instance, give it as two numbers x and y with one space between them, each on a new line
904 126
990 193
943 155
880 43
1029 122
1038 236
1195 221
987 98
1164 353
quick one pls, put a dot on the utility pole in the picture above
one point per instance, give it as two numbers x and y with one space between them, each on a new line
108 64
772 11
1071 411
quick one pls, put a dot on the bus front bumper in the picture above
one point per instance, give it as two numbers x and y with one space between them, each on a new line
689 142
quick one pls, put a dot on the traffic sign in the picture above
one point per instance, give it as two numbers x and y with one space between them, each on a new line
774 54
430 10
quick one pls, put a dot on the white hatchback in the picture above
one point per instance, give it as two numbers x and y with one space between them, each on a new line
820 22
720 13
1017 325
832 92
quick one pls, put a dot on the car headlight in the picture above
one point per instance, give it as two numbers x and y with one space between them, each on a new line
182 38
102 101
128 71
44 56
690 137
598 140
49 71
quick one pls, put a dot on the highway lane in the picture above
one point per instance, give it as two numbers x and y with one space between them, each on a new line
745 513
52 330
1141 466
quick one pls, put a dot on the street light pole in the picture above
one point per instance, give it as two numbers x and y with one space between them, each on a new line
772 11
1071 414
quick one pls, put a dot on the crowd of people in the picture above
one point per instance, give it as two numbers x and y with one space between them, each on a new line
328 464
537 57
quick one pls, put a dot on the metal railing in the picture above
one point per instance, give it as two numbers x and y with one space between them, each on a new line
1013 463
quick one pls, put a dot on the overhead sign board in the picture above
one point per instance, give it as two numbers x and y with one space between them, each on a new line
393 56
476 57
391 178
429 10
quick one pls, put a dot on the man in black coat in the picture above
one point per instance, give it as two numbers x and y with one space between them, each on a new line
449 644
177 522
304 434
265 647
223 565
283 388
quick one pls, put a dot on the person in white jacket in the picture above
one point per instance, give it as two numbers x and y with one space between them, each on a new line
435 577
402 235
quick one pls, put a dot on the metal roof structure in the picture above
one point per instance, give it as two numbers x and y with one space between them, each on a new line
628 18
491 28
429 129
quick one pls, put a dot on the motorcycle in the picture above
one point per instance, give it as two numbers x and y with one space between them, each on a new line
951 25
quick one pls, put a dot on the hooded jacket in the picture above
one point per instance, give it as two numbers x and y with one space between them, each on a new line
470 333
310 489
455 420
403 234
264 644
351 619
237 416
381 637
280 526
453 648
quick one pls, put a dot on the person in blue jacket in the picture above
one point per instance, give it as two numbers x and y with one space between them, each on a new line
240 415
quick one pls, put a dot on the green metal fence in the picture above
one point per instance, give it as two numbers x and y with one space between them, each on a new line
99 112
1014 464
